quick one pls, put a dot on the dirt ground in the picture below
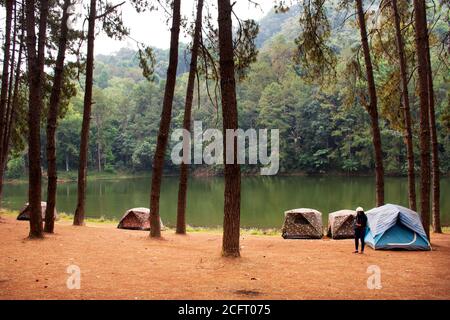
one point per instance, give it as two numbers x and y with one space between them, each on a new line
123 264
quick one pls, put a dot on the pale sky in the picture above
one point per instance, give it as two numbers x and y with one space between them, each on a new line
151 29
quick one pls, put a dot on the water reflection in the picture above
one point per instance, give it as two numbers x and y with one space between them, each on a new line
264 199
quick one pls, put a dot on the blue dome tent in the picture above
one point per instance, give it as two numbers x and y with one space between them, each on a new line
395 227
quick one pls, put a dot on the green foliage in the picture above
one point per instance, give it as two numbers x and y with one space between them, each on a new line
68 139
15 167
322 128
316 59
142 156
244 48
147 62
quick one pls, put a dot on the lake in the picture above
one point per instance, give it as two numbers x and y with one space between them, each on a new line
264 199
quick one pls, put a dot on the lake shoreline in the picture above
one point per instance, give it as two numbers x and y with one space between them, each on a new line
66 219
71 176
263 199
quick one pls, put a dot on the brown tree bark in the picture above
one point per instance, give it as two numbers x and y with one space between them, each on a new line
13 95
372 107
182 188
406 109
10 92
52 119
9 99
421 37
35 102
78 219
164 125
435 176
6 61
14 103
5 86
232 194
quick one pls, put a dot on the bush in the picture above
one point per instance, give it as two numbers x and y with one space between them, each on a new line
350 165
109 169
72 175
15 168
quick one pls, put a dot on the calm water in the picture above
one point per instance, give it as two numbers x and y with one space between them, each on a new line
264 199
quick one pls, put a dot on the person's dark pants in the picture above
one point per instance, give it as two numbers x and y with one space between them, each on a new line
359 235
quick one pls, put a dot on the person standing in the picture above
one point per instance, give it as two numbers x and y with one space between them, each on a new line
360 228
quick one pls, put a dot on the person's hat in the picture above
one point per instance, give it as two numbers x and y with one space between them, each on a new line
359 209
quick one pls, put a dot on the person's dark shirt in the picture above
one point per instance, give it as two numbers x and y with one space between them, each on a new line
360 220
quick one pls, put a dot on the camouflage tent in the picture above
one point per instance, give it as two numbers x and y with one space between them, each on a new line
136 219
340 224
25 212
302 223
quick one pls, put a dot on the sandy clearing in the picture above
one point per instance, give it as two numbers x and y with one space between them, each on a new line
123 264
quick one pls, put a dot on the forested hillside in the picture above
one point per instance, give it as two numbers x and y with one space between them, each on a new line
323 128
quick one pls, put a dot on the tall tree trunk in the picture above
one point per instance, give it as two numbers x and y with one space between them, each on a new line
52 119
99 157
35 102
14 96
6 128
421 36
435 177
406 109
232 194
164 126
6 61
99 146
372 107
4 139
5 85
78 219
182 188
10 93
14 103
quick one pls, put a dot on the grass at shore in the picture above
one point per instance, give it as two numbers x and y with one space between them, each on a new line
68 176
64 217
94 175
72 175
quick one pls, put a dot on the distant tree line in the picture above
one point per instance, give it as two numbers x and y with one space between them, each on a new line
126 110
